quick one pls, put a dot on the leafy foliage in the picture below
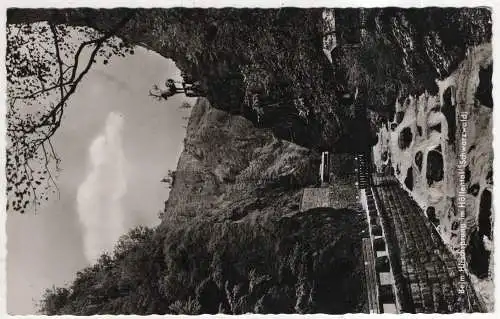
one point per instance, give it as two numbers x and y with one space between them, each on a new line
189 307
45 63
119 283
278 266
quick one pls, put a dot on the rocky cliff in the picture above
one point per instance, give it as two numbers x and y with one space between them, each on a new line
439 156
269 65
228 167
236 199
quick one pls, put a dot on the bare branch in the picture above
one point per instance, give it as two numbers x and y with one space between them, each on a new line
98 43
47 169
30 134
59 60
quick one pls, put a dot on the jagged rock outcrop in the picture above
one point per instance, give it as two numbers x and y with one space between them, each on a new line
228 166
235 201
436 156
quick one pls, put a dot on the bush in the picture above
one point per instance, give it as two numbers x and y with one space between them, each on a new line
225 267
188 307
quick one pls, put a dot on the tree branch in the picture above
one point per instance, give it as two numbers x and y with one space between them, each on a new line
59 60
30 135
73 82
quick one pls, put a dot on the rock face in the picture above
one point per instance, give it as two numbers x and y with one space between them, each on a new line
227 163
275 58
233 239
432 160
236 199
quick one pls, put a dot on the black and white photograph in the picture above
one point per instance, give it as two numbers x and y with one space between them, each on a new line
283 160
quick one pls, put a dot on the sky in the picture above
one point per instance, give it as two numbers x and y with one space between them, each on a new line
116 143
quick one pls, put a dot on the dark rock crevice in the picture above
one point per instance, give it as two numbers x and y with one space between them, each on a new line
483 91
473 189
405 138
409 178
431 215
419 156
435 169
448 109
477 256
484 219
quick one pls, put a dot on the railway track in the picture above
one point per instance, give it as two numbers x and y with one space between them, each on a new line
371 276
426 272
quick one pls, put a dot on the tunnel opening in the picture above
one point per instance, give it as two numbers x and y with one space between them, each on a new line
405 138
385 156
409 178
448 109
483 91
484 220
435 167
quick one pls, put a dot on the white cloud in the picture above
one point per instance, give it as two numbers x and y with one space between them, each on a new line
99 198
